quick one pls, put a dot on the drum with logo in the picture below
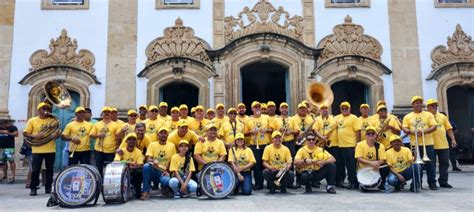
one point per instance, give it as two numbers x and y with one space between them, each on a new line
369 179
217 180
76 186
116 186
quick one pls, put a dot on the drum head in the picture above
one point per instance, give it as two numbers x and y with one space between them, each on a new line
76 186
217 180
367 177
116 185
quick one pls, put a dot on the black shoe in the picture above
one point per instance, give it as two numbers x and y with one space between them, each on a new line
33 192
352 187
340 185
283 190
456 169
381 187
316 185
272 191
47 190
308 189
445 185
257 187
330 189
433 187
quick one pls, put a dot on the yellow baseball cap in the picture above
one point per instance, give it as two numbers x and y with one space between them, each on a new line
276 133
271 103
241 105
210 126
130 135
347 104
323 106
175 109
130 112
183 106
364 105
153 107
199 107
210 110
113 109
143 106
263 105
305 102
163 129
431 101
239 136
163 104
183 142
381 107
220 105
370 128
395 138
193 109
231 110
416 98
255 103
79 109
381 102
301 105
105 108
283 104
182 123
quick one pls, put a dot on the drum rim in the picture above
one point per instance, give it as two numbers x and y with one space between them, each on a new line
201 179
90 198
122 198
368 186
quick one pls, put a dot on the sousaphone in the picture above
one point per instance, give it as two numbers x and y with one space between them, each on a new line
319 93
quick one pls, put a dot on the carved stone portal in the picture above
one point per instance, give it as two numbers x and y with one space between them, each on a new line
460 49
263 17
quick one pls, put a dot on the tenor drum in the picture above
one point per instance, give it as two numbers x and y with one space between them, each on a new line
217 180
369 179
116 186
76 186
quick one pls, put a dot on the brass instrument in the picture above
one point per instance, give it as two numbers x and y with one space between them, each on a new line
417 151
319 93
281 173
383 127
321 142
255 139
302 138
418 161
73 149
425 155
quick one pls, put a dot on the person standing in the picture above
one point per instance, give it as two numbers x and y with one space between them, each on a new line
8 132
365 119
241 113
229 129
163 112
77 132
153 123
221 117
199 122
143 112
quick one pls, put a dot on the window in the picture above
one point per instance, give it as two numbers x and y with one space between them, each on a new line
453 3
64 4
177 4
346 3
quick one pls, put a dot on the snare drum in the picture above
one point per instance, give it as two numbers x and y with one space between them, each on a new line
369 179
76 186
217 180
116 186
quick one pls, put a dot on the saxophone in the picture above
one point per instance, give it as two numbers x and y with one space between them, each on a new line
51 131
383 128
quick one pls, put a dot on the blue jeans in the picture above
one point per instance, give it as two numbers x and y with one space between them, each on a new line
246 185
150 173
392 179
175 186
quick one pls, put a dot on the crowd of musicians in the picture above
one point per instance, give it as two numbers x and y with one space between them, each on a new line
169 150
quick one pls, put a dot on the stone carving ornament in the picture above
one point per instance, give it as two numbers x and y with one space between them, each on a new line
349 39
63 52
177 41
263 17
460 49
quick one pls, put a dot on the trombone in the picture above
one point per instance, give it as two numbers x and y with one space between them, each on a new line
418 161
425 155
281 173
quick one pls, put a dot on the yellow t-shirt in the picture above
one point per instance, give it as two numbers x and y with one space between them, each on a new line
141 144
439 136
271 119
242 119
210 151
141 120
257 123
164 118
277 157
365 123
317 153
347 127
302 124
385 140
161 153
422 120
177 164
190 136
131 127
199 127
36 125
394 117
363 150
172 125
218 121
188 119
327 126
228 131
152 126
107 144
119 122
285 123
80 130
399 160
135 156
244 157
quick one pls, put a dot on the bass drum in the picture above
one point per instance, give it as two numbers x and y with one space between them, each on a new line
76 186
217 180
116 186
369 179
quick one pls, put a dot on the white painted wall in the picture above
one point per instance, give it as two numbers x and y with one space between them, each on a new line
434 26
34 29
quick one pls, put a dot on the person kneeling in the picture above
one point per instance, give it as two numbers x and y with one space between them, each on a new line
134 159
400 162
182 167
277 162
316 164
242 160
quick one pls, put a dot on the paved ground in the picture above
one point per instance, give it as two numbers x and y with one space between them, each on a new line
15 198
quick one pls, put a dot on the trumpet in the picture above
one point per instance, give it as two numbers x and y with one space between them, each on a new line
255 139
281 173
74 148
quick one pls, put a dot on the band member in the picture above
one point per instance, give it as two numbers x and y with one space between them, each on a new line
143 112
193 111
221 117
229 129
153 123
182 168
241 113
8 132
77 132
386 126
106 144
143 140
129 126
163 112
199 123
183 133
287 127
158 157
134 159
114 116
400 163
423 124
370 153
212 149
365 119
316 164
277 161
348 135
34 130
172 124
271 111
304 122
441 146
263 107
183 113
257 130
242 160
210 114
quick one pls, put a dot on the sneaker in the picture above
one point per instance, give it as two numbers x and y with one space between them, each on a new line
177 195
145 196
433 187
330 189
33 192
445 185
456 169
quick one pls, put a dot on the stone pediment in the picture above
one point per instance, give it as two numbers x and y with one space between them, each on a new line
178 41
460 49
263 17
63 53
349 39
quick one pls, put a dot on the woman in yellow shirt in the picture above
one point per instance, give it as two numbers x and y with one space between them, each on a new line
182 167
242 160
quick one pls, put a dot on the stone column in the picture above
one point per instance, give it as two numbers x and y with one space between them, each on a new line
7 14
406 66
220 90
120 86
308 16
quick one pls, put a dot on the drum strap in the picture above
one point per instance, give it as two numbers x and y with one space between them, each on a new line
377 145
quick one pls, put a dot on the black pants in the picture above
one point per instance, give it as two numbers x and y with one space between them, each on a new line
443 156
80 157
327 172
36 169
270 177
258 168
291 146
101 159
347 155
384 174
136 180
340 170
452 155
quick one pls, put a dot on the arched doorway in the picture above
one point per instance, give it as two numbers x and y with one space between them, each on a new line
264 81
355 92
461 113
177 93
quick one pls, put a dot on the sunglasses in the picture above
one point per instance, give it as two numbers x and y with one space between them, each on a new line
370 134
310 139
154 111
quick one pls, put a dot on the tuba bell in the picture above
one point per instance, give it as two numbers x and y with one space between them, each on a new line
57 94
319 93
